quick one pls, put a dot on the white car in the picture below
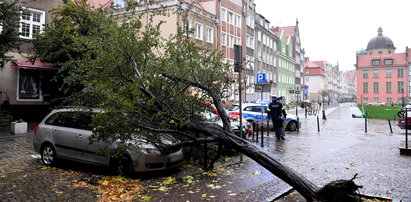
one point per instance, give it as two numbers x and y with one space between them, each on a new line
258 113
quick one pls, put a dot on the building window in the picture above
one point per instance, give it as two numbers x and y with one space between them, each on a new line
259 35
230 41
238 20
249 62
375 62
389 100
400 73
376 100
223 14
388 87
187 28
198 32
29 85
250 21
223 39
375 73
388 73
375 87
249 41
237 41
365 100
400 86
230 17
388 61
31 22
119 3
365 87
364 73
210 35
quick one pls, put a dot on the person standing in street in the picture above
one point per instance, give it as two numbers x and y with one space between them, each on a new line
277 114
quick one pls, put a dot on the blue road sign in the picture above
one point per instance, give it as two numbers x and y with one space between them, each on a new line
261 78
305 91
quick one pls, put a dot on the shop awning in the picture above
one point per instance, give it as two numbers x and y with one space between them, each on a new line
24 64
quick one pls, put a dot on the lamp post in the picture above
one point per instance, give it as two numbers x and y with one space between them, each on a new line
297 92
402 90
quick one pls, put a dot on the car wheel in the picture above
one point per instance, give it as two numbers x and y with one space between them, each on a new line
292 125
48 155
122 166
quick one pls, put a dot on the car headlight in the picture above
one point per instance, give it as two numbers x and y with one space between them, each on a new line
150 151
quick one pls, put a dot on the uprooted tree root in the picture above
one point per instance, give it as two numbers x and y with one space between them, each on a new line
340 191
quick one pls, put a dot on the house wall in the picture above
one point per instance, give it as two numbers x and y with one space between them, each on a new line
26 109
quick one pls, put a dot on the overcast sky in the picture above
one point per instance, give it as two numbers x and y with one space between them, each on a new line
333 30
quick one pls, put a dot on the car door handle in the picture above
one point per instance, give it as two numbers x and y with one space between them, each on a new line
79 136
53 132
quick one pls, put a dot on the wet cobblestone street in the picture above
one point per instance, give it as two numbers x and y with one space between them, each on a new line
339 151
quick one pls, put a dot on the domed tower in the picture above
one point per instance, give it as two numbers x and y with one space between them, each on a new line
380 44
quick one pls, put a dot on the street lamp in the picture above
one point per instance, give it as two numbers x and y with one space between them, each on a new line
402 90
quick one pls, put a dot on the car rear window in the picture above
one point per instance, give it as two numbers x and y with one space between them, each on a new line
234 108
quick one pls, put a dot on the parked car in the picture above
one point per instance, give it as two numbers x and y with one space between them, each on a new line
305 103
376 104
213 116
258 113
64 134
401 120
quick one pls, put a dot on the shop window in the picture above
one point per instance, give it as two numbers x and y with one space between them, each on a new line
28 88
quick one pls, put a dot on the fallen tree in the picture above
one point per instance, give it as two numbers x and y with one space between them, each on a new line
151 87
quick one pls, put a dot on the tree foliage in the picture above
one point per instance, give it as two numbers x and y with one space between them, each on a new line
9 29
150 88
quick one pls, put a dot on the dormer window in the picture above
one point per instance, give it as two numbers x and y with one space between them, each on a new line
388 61
375 62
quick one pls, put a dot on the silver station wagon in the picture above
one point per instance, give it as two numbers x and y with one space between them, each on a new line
64 134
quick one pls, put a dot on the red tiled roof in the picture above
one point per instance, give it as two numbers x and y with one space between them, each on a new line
314 68
289 31
366 60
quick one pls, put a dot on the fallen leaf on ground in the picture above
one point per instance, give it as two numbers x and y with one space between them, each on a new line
145 198
257 172
58 192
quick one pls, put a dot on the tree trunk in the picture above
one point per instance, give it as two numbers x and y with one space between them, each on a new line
285 173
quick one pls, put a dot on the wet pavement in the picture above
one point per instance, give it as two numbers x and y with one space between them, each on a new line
341 149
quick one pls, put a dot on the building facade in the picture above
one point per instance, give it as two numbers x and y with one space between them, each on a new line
22 83
381 73
286 65
265 65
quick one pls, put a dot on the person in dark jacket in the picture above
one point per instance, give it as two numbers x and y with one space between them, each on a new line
277 114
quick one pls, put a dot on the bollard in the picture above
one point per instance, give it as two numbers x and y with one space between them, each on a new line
318 123
268 127
256 133
406 129
305 112
324 118
262 134
389 123
252 138
365 123
298 124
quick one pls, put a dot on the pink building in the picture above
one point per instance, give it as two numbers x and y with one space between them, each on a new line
381 73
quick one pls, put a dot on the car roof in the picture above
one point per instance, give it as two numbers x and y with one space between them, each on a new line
252 104
77 109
